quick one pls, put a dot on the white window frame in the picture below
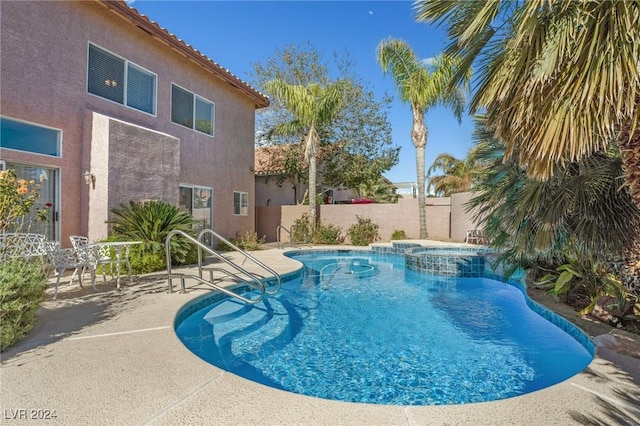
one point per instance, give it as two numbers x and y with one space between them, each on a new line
239 212
127 64
195 98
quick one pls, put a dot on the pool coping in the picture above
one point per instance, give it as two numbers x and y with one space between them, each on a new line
113 358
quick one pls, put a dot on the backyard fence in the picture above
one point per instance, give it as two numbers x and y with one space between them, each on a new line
447 218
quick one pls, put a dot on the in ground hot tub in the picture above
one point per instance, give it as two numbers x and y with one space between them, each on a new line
447 261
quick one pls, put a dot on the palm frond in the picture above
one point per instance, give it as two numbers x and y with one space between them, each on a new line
558 79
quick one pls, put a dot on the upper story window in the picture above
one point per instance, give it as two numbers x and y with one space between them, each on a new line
121 81
191 110
240 203
29 137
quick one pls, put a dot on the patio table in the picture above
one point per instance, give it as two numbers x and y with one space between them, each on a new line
121 250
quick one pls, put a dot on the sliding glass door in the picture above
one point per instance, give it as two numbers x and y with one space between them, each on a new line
47 179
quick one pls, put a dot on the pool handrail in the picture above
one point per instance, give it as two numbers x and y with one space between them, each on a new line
239 250
252 277
278 232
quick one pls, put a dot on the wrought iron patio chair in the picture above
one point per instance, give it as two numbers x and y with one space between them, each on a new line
100 255
23 245
63 259
476 236
20 244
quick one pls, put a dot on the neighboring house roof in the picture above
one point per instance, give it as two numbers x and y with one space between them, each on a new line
270 160
131 15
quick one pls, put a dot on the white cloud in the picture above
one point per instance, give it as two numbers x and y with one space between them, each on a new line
428 61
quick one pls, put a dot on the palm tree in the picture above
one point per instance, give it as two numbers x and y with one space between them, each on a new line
423 87
457 175
312 107
381 191
559 80
578 212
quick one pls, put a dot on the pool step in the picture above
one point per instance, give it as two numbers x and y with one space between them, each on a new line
241 331
226 311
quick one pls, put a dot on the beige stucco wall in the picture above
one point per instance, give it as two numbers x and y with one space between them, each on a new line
44 72
461 219
268 218
290 213
438 211
270 193
344 215
390 217
122 174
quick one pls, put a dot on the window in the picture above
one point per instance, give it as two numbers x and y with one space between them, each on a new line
240 203
29 137
121 81
186 198
181 107
197 200
192 111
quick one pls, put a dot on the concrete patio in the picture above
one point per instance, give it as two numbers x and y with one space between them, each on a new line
113 358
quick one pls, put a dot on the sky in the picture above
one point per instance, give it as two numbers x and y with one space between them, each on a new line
237 34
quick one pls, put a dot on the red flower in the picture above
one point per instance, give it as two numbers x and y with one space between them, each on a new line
49 204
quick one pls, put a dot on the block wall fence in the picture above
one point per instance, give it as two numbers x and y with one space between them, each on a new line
447 217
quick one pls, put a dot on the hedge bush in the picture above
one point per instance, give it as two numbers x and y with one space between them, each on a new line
301 230
328 234
399 234
249 241
364 232
22 289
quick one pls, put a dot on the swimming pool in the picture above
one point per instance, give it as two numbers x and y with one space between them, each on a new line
362 327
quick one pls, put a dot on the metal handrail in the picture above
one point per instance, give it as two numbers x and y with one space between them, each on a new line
280 228
239 250
170 276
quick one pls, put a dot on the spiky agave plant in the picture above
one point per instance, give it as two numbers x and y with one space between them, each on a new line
151 222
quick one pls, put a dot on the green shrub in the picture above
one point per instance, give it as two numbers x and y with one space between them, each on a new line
301 230
250 241
151 222
328 234
399 234
364 232
144 262
22 289
222 246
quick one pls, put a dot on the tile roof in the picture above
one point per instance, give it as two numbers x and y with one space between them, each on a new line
270 160
131 15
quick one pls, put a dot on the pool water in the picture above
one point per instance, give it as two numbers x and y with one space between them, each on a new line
363 328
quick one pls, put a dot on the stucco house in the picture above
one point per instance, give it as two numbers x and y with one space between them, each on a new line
102 106
274 187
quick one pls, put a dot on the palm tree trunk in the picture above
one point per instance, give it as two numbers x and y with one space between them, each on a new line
419 138
310 152
312 191
630 153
